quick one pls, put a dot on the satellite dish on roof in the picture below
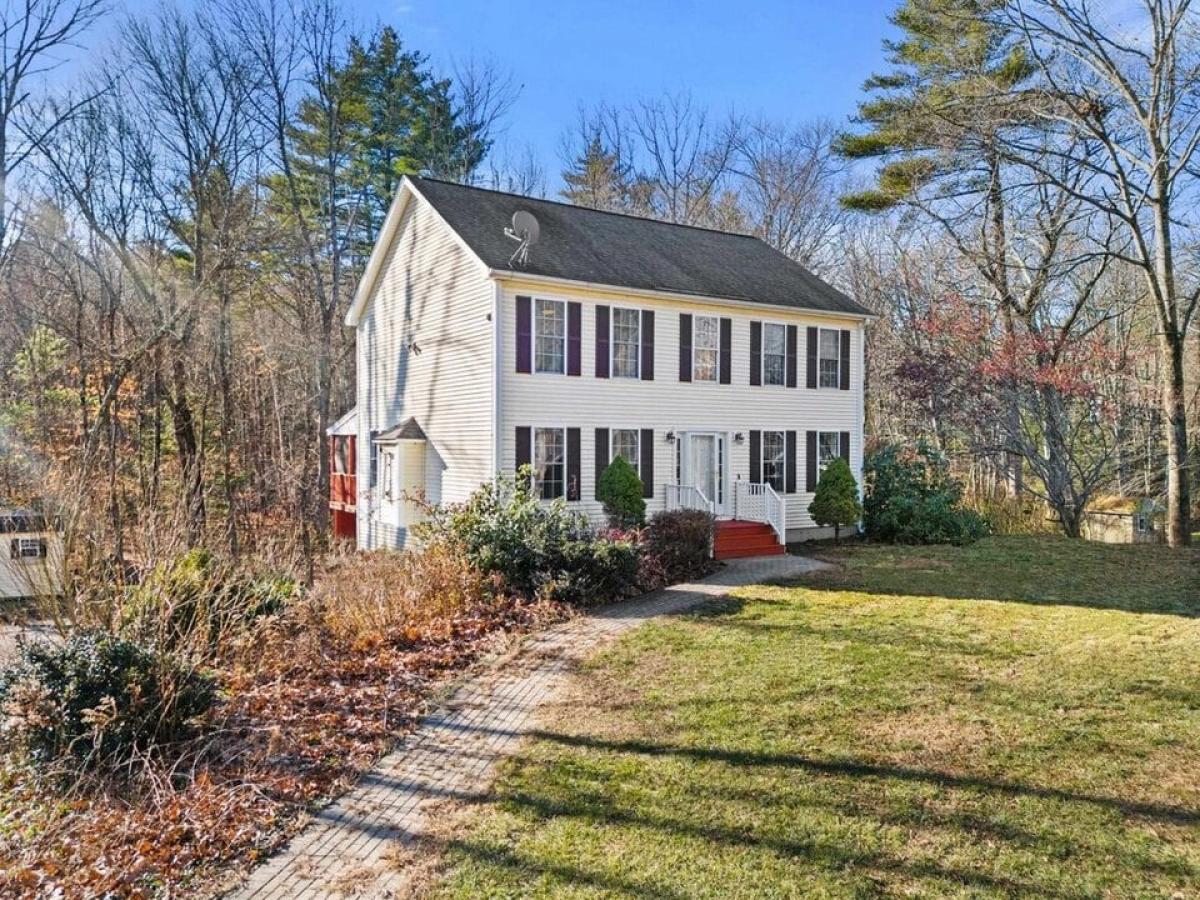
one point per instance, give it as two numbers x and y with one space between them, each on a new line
526 230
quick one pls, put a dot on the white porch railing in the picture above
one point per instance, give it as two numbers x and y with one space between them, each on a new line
687 496
757 502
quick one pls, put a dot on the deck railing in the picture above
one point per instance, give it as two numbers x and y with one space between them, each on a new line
758 502
687 496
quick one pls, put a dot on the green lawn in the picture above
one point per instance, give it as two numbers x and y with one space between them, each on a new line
876 733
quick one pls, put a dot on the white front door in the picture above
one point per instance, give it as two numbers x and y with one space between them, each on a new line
705 466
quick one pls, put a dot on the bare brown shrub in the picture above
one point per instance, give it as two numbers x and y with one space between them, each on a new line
375 597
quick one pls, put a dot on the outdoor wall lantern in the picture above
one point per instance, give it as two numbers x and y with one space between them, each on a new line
670 437
739 438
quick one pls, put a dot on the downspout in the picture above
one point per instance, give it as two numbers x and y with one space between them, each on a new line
862 411
497 443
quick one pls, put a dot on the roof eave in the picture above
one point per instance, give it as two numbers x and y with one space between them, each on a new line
515 275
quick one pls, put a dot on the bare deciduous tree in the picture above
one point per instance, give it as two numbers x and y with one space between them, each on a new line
1124 102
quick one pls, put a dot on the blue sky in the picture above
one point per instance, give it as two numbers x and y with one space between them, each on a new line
793 61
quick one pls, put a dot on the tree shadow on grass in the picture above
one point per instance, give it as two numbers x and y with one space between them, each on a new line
1176 815
837 857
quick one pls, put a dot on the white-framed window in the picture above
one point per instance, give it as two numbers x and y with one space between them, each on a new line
774 353
706 348
774 463
626 342
829 358
625 442
387 473
27 548
549 336
829 448
550 462
1142 524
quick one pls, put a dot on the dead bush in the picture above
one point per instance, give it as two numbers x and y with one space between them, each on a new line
381 596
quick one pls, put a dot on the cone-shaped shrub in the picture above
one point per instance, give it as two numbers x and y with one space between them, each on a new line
620 490
836 500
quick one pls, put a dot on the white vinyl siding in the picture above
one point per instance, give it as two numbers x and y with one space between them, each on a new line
774 353
706 348
626 342
431 293
667 405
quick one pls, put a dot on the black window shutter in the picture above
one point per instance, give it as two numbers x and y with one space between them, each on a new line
42 548
755 353
524 335
373 467
647 345
601 453
755 457
812 359
685 347
646 449
845 379
726 351
524 447
601 341
14 549
844 445
574 337
810 461
573 468
789 480
792 340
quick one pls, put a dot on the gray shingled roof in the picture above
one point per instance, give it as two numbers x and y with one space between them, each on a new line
408 430
588 245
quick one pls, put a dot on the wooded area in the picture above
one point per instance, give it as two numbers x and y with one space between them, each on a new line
182 227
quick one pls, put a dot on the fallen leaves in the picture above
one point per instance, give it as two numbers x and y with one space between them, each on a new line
302 715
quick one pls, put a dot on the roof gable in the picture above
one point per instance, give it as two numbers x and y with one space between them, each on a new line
596 247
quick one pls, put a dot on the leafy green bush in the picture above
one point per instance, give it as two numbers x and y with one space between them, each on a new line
836 499
98 698
678 544
504 529
620 490
596 571
911 498
190 603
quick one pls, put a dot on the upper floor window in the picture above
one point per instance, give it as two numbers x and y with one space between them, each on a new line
706 348
549 463
626 342
829 358
774 353
774 446
829 446
625 444
550 336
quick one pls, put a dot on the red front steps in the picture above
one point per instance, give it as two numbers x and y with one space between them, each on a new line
735 539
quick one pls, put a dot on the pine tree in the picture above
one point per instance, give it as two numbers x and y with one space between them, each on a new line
935 117
597 178
836 500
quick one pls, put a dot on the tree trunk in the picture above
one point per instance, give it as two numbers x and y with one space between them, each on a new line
1173 340
1174 403
189 454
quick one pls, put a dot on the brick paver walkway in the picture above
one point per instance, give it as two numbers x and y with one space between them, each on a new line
349 850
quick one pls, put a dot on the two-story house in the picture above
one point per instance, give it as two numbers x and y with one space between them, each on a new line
727 374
